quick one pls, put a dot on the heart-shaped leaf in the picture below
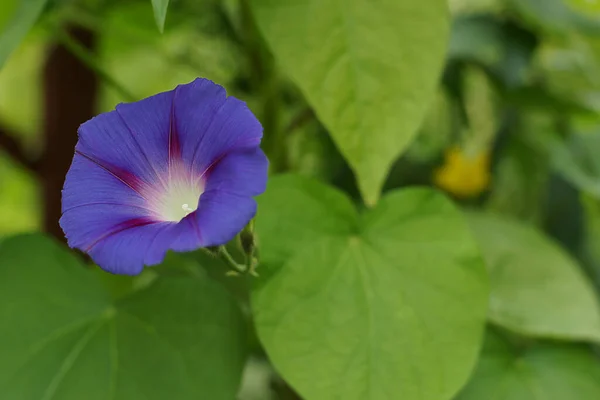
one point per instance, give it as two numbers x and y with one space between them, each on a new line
386 305
63 337
368 68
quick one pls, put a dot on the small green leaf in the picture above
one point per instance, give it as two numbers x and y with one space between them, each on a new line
477 37
557 16
22 21
387 306
591 7
578 162
369 69
591 207
543 371
536 288
160 13
63 337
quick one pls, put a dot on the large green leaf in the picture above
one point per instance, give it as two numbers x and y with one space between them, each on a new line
15 30
368 68
536 288
543 371
387 305
62 337
160 12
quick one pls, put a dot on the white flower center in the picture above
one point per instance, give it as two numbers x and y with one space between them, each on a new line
179 201
177 196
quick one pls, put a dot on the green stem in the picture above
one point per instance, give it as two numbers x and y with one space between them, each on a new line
91 62
225 256
250 260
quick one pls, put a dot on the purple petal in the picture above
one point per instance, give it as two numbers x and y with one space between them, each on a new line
133 138
148 122
86 225
128 250
221 215
210 125
121 244
87 184
240 173
125 251
181 237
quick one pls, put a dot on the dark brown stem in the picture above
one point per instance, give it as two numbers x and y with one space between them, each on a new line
10 144
70 89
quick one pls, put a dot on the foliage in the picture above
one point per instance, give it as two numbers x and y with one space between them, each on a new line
551 371
429 231
375 113
146 345
352 292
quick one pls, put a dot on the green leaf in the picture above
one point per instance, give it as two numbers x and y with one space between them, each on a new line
160 13
590 248
543 371
285 228
591 7
22 21
463 7
539 98
536 288
363 67
19 210
556 16
387 305
64 338
578 162
477 37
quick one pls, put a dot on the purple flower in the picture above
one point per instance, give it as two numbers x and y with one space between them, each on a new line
176 171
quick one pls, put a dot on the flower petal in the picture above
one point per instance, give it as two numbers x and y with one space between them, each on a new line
242 173
221 215
86 225
149 123
210 125
123 245
109 140
182 236
87 184
125 251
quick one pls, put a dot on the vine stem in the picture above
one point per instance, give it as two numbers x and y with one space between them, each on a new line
223 254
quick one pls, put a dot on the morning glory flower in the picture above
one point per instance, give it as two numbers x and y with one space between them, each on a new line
176 171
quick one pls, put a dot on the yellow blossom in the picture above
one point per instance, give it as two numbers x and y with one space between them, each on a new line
464 175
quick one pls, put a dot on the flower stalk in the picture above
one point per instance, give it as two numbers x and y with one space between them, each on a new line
228 258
